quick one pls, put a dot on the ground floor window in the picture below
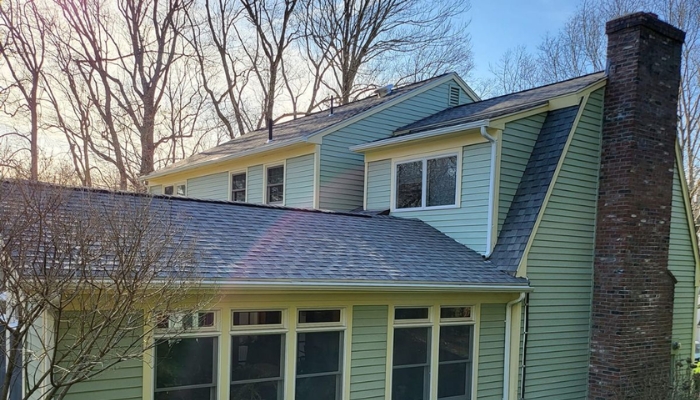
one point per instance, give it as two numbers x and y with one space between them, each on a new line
257 366
186 369
415 353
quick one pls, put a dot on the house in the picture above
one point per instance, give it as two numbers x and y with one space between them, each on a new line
425 244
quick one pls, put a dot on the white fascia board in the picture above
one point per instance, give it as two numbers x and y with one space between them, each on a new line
420 135
268 147
367 286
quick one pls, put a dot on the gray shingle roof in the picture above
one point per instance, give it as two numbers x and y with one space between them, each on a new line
500 106
532 189
238 242
292 131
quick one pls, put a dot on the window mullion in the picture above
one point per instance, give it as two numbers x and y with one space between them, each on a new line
424 196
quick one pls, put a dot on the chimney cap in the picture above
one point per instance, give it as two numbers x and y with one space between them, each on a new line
647 20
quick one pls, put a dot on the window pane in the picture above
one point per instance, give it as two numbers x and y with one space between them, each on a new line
318 352
455 312
243 318
206 320
455 342
182 362
275 194
442 181
256 357
275 175
318 316
410 384
452 381
181 189
411 313
186 394
411 346
238 182
409 188
169 190
238 195
318 388
258 391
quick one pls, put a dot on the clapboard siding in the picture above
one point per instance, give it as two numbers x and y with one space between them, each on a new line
210 187
681 263
254 182
518 141
491 348
369 346
342 171
156 189
560 267
379 185
299 182
467 223
122 381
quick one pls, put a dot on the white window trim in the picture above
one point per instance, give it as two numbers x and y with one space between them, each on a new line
162 333
282 164
230 183
321 326
413 322
424 158
262 329
174 186
434 361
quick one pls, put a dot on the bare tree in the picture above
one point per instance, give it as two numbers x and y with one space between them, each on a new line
516 70
23 47
86 278
346 40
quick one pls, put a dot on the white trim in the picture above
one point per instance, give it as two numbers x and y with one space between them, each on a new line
321 326
282 164
492 191
467 89
175 186
369 286
420 135
424 158
267 328
231 173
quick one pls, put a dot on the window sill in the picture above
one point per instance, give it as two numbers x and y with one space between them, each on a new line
448 207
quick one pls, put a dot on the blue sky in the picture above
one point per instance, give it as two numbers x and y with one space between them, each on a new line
497 25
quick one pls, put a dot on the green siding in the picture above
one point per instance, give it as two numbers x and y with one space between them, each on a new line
122 381
560 268
210 187
681 263
379 185
299 185
342 171
491 348
369 345
156 189
466 224
518 140
254 182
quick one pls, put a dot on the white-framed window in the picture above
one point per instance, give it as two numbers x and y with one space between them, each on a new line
415 328
429 182
238 186
178 189
186 364
257 354
319 355
274 184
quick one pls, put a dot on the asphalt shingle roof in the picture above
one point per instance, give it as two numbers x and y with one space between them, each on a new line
289 132
245 242
532 189
502 105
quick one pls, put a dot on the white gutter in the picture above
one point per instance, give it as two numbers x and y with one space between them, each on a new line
420 135
506 355
492 189
368 286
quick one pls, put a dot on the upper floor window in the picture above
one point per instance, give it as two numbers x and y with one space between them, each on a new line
275 185
428 182
178 189
238 185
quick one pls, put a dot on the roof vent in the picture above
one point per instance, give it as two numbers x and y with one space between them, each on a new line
453 100
384 90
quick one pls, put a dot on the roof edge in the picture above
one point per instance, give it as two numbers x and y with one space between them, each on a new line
381 286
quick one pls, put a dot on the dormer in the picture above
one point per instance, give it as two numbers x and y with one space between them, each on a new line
459 169
307 163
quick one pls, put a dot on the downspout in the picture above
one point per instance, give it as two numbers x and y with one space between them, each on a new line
492 184
506 355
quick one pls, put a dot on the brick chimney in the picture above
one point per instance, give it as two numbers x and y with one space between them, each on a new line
633 289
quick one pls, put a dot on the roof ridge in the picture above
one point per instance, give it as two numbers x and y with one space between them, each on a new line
533 88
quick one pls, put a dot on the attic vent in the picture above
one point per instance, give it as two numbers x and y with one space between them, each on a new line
454 96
